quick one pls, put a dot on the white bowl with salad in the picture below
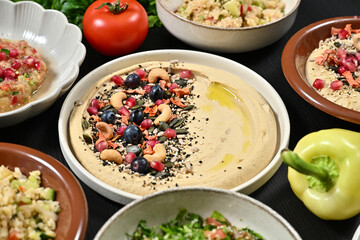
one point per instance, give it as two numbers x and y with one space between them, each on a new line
197 211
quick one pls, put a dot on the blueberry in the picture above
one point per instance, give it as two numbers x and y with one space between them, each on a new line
136 116
156 93
132 80
140 165
108 116
132 134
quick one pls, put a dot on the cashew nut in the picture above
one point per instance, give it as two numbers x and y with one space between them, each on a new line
165 114
156 74
111 155
117 98
105 129
356 42
159 154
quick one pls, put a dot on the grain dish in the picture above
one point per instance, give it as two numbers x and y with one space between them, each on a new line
232 13
333 68
27 210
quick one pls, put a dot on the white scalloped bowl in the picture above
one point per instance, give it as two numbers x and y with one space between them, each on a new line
58 42
161 207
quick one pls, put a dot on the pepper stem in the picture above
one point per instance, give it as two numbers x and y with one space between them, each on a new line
294 161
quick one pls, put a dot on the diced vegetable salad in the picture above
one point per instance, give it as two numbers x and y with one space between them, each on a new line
193 226
27 209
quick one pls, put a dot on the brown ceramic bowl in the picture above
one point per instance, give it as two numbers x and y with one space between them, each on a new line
293 61
72 222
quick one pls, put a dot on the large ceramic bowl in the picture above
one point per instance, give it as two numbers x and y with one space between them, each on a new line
293 62
256 81
357 234
239 209
230 40
73 218
59 43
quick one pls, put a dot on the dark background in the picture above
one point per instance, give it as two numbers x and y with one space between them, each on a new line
41 132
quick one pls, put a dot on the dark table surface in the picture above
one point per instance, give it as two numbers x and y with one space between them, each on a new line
41 132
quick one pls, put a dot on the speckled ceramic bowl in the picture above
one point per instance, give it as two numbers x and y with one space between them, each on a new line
58 42
239 209
73 218
230 40
293 62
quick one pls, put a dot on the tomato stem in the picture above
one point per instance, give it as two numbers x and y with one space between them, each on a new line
116 7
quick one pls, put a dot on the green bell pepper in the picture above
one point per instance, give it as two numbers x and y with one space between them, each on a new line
324 172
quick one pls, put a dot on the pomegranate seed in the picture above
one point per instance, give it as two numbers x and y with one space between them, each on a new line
336 85
350 66
118 80
141 73
343 34
124 111
170 133
129 157
146 123
13 53
341 70
357 56
130 102
94 103
92 110
120 130
152 143
186 74
14 99
1 72
9 73
319 84
173 86
147 88
101 146
158 166
16 65
341 53
158 102
352 58
38 65
2 56
30 61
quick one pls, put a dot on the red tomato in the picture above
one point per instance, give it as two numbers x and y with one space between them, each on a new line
115 34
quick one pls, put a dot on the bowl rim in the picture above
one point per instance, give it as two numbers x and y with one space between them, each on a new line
76 67
229 29
237 195
300 85
44 159
112 192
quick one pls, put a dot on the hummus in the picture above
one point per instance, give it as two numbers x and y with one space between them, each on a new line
230 132
333 68
22 72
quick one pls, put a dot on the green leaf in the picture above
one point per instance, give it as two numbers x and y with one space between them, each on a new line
6 51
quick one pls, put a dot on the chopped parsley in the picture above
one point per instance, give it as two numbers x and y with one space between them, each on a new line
193 226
